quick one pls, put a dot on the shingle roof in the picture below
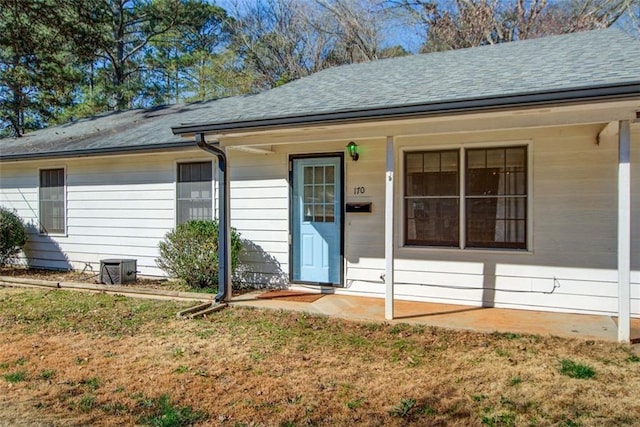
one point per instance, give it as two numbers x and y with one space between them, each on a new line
578 60
109 132
559 64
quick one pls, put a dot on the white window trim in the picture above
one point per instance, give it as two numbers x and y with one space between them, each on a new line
463 147
214 188
64 202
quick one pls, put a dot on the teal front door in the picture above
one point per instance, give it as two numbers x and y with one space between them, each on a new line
317 220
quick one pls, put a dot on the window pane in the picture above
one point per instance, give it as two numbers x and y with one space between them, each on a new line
308 193
413 178
516 159
432 162
308 174
413 162
442 184
329 176
308 208
482 182
194 192
476 159
432 222
319 175
493 222
329 215
496 158
450 161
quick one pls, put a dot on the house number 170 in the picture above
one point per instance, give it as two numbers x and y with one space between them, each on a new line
358 190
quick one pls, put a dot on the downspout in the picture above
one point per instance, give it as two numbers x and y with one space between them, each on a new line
224 228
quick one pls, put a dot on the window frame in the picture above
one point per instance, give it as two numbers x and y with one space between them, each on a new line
462 150
177 182
41 229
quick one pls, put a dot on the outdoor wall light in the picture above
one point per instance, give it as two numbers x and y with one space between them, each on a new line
352 149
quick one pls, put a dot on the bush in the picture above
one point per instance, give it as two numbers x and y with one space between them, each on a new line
13 235
190 253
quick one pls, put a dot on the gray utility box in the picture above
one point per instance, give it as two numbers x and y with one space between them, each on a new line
117 271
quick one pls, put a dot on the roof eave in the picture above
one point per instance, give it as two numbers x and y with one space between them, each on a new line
558 97
96 152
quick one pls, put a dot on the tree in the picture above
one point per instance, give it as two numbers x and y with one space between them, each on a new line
130 25
279 40
468 23
355 27
193 60
40 41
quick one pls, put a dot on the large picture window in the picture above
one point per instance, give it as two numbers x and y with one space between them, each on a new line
194 191
494 191
51 197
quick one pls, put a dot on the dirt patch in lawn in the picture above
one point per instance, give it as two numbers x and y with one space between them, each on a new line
285 295
81 276
79 359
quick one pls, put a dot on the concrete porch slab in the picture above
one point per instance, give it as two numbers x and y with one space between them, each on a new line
581 326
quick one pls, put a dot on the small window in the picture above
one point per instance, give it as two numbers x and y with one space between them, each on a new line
194 191
52 195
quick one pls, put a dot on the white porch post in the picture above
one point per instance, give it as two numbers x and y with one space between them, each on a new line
389 230
624 231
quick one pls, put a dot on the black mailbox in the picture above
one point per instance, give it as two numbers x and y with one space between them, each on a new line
359 207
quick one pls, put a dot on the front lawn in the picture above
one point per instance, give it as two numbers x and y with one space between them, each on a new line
79 359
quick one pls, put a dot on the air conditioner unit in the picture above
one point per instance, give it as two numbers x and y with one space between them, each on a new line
117 271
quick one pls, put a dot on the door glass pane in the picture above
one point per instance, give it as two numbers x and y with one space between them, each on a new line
329 176
319 175
329 215
308 174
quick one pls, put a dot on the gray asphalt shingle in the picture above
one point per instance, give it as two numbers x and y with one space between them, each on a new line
559 63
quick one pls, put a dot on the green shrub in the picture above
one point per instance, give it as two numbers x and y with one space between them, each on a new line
190 253
13 235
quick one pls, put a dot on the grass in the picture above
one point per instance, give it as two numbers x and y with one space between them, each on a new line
47 374
254 367
576 370
87 403
166 414
92 383
62 311
15 377
403 408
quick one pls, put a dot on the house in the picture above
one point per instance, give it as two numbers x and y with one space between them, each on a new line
493 176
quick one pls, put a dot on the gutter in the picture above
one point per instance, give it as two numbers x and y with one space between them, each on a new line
89 152
224 228
615 92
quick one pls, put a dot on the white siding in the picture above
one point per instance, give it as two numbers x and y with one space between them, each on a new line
260 212
117 207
